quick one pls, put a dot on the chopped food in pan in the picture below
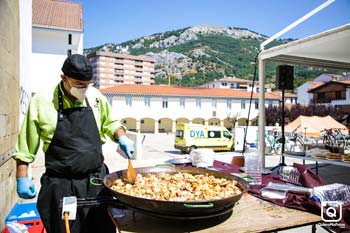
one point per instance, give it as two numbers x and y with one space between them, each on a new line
180 187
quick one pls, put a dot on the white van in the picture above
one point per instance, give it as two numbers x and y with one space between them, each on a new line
193 136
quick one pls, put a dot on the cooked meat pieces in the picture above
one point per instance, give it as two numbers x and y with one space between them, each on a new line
180 187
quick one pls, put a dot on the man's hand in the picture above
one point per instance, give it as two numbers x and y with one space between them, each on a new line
25 188
127 146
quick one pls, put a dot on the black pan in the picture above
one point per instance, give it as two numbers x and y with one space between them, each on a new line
175 208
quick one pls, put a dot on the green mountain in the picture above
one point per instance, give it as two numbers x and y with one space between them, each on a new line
196 55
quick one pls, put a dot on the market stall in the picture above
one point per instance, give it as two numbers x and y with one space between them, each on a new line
312 126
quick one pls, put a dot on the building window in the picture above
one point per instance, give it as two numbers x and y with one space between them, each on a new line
147 101
69 52
256 104
198 103
224 84
165 103
69 38
242 104
229 103
182 102
128 101
214 103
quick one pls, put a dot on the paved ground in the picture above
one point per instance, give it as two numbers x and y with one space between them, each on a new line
157 148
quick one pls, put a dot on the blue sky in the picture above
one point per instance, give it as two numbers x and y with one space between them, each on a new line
116 21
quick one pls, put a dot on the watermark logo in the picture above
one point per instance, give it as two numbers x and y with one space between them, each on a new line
331 211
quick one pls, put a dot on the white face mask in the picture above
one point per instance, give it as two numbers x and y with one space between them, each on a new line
79 93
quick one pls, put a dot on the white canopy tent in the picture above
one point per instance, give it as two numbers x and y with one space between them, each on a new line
329 49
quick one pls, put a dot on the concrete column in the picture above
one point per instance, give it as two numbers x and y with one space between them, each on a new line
156 127
206 122
138 126
173 127
221 123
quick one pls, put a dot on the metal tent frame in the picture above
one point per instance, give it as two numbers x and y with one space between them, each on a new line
329 49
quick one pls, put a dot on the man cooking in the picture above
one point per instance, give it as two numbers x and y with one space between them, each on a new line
72 120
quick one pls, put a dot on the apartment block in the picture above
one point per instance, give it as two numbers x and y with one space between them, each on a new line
111 69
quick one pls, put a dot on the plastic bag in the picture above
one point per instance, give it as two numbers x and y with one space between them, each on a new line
15 227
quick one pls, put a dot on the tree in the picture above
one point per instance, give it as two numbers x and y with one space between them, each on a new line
273 113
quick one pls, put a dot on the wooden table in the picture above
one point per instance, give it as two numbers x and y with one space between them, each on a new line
249 215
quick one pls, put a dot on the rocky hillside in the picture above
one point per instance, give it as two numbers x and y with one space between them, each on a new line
197 54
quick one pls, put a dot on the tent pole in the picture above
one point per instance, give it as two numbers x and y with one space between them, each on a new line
261 118
282 126
294 24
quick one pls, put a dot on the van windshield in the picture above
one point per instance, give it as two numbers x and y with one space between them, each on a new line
227 134
179 133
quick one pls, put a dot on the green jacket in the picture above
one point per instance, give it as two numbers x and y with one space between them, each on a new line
41 120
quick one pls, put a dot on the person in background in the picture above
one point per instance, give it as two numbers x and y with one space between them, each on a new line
72 120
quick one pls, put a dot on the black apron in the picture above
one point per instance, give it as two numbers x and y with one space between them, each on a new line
73 157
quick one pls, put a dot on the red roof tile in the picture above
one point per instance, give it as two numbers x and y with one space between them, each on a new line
287 94
57 14
347 82
344 82
234 80
181 91
315 85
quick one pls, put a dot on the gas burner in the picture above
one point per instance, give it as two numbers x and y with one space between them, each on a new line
186 216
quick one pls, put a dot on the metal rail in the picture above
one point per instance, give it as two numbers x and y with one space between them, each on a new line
6 156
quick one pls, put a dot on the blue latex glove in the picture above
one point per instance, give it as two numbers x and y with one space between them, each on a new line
25 188
127 146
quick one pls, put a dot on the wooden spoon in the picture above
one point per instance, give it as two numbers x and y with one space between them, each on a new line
130 173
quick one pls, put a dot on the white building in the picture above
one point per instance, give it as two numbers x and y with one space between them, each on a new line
156 108
289 98
304 97
235 84
57 31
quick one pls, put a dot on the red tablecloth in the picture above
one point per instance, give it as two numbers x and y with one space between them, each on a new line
294 200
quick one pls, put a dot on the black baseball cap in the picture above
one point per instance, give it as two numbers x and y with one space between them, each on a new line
78 67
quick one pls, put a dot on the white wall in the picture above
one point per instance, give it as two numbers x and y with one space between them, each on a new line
304 97
139 110
46 70
53 41
49 47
